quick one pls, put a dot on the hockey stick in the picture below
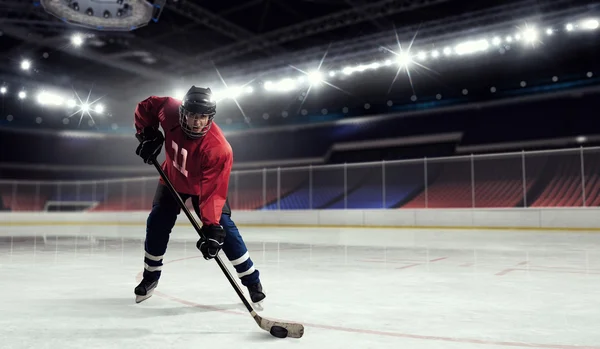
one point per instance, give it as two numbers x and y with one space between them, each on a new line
275 328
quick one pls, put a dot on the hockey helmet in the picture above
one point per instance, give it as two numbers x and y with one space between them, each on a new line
197 103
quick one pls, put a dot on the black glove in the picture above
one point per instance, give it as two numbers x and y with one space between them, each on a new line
151 141
211 244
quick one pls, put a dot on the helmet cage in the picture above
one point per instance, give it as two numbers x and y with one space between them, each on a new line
185 116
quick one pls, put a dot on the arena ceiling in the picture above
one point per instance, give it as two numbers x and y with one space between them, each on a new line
202 42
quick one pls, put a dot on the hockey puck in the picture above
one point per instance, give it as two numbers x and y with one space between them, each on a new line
279 332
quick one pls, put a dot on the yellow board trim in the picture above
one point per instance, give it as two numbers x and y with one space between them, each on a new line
415 227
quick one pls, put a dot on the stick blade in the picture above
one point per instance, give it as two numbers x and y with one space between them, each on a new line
295 330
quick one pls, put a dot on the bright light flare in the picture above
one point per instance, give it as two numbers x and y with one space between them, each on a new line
179 94
85 107
530 35
22 94
25 64
49 99
471 47
99 108
590 24
77 40
315 77
404 59
286 85
3 90
281 86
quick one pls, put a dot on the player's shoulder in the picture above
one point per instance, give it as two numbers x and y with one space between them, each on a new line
218 143
162 101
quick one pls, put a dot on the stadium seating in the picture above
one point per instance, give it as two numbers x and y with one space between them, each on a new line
495 183
564 184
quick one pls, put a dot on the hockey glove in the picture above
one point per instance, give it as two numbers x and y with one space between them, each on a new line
211 244
151 141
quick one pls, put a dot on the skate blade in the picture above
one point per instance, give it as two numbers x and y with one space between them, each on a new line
258 306
139 299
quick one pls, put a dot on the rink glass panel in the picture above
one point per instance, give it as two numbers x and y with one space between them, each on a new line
554 178
20 196
26 197
364 184
449 183
498 181
405 184
293 189
248 194
591 169
269 187
147 191
328 187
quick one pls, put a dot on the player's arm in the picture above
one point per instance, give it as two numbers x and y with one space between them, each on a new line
147 122
214 187
147 113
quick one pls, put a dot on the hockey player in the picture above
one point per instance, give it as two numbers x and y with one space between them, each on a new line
198 163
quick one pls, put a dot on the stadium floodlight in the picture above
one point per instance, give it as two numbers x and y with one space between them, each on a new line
268 85
530 35
285 85
99 108
49 99
77 40
103 15
404 59
569 27
231 92
3 90
590 24
470 47
71 103
25 64
22 95
315 77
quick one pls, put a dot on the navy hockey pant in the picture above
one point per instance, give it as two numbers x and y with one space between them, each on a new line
161 221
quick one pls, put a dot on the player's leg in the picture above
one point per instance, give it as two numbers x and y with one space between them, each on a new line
236 251
159 224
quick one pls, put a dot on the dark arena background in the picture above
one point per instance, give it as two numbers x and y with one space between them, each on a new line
417 173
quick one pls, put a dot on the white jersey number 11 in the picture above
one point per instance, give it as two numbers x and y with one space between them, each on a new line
180 168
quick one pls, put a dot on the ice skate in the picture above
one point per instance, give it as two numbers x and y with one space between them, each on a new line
257 295
144 290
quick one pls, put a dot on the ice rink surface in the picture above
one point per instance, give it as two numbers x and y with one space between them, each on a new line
351 288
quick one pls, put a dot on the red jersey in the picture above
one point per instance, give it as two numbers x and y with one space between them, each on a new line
195 166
